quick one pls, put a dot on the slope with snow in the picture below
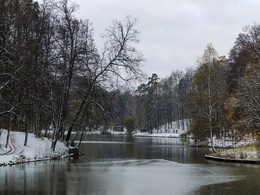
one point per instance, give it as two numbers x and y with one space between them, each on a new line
36 149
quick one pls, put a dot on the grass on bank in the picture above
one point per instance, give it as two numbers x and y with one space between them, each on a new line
246 152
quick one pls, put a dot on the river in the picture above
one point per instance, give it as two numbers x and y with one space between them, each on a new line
119 165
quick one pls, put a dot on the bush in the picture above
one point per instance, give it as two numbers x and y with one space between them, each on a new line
130 124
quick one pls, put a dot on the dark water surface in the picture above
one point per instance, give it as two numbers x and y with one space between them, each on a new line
125 165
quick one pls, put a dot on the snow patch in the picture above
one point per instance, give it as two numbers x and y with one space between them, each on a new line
173 129
36 149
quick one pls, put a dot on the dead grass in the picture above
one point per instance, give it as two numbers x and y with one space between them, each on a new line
246 152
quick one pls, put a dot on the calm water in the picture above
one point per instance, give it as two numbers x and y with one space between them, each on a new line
125 165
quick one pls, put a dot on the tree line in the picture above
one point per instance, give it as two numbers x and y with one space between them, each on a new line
54 80
219 97
52 76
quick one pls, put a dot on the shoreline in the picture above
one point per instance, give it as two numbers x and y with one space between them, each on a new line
37 149
232 160
28 161
159 135
10 163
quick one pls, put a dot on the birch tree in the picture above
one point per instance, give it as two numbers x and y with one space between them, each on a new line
208 95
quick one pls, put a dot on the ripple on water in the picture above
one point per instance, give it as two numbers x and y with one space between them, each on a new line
151 176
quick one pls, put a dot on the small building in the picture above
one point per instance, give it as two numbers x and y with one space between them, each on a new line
118 128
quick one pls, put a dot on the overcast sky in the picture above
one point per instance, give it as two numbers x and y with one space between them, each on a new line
173 33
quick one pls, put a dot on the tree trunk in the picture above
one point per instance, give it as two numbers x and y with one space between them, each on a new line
7 138
26 132
211 137
210 114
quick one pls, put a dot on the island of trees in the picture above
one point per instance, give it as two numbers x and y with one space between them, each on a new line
55 81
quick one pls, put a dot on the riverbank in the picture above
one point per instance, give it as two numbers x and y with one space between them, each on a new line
170 130
245 154
231 160
139 134
37 149
163 135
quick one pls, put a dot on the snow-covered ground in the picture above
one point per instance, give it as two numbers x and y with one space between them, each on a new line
245 148
36 149
247 152
146 134
226 142
174 129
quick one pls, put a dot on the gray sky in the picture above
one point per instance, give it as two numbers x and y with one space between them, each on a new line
175 32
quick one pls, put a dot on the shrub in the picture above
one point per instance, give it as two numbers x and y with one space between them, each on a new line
130 124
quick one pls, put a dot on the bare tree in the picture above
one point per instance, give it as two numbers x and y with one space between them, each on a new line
74 47
249 99
51 72
119 59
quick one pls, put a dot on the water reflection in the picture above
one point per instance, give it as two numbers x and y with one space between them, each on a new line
34 178
231 188
130 165
141 148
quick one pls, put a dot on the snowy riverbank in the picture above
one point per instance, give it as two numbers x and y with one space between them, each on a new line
37 149
240 153
163 135
170 130
139 134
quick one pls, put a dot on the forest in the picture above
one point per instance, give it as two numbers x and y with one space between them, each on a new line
55 81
